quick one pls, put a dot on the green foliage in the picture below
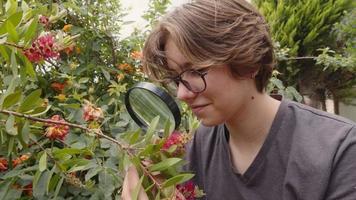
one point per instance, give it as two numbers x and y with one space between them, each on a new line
316 44
83 83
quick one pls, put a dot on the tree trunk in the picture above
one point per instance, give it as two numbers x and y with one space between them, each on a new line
336 105
318 99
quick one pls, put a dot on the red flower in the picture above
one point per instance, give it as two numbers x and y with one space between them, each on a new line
42 48
57 131
59 87
176 138
91 113
187 189
3 164
28 190
44 20
20 160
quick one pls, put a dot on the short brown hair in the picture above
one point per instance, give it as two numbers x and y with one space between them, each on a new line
214 32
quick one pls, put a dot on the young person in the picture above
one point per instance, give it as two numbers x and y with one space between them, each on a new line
249 145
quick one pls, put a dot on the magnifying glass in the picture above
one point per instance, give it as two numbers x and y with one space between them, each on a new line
145 101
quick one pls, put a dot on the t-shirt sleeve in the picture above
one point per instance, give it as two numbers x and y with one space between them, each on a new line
342 184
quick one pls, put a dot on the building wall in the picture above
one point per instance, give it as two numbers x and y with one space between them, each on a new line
348 111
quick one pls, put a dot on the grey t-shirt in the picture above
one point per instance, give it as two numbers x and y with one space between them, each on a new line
308 154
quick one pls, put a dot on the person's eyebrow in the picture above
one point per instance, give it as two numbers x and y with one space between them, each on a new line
183 66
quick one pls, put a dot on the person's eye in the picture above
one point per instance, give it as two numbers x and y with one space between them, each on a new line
202 70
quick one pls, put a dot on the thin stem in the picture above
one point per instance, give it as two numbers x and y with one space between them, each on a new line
13 45
97 132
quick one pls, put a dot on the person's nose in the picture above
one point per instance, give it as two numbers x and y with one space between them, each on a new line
184 94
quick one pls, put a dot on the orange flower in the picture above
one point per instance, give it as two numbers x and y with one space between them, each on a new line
67 27
126 68
20 160
120 77
78 50
58 87
137 55
57 131
3 164
69 49
91 113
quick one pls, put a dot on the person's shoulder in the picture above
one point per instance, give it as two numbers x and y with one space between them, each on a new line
312 115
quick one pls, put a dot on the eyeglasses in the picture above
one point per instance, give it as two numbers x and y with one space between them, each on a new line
192 79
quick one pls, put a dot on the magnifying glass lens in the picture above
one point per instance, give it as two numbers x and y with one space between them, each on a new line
147 106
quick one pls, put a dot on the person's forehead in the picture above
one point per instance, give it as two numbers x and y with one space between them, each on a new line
175 59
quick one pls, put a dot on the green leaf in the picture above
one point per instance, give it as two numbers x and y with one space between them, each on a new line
135 136
17 172
15 19
31 101
59 185
31 30
106 74
39 190
163 165
25 132
12 31
181 178
10 147
24 6
3 52
92 172
10 125
39 111
53 182
151 129
28 66
4 188
11 99
14 66
42 165
11 7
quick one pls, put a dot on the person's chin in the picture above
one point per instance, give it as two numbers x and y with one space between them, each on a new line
209 121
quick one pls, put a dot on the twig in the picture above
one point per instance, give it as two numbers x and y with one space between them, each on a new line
98 132
13 45
301 58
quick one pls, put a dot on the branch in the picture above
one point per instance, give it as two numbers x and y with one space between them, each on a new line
97 132
13 45
301 58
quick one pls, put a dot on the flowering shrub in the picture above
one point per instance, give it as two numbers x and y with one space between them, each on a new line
64 131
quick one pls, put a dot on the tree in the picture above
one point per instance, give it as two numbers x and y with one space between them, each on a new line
305 28
64 130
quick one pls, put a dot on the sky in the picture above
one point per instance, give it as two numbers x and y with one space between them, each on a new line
137 8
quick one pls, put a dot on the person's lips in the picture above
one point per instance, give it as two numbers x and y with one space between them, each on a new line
198 108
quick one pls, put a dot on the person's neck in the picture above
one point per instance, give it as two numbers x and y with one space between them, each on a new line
252 126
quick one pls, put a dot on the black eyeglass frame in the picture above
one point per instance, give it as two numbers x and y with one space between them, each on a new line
178 79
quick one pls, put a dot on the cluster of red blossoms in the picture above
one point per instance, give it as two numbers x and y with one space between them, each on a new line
15 162
57 131
178 139
43 47
91 113
186 189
